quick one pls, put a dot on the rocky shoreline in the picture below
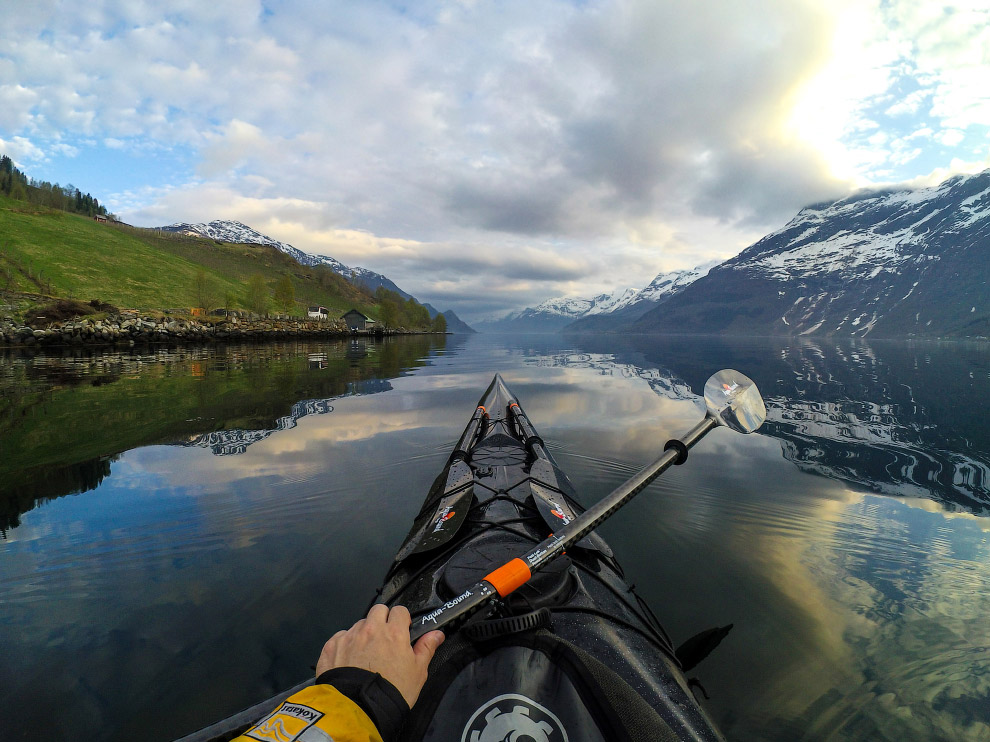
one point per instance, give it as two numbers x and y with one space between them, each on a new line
148 329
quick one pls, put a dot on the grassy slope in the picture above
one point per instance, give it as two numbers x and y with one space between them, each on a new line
77 257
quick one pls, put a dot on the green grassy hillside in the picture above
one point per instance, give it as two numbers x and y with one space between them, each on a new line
53 253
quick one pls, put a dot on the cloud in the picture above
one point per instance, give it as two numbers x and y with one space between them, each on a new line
539 136
20 150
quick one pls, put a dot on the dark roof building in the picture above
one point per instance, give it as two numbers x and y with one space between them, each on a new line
356 320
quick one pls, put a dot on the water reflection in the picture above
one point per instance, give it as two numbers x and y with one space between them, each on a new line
881 416
188 585
229 442
65 417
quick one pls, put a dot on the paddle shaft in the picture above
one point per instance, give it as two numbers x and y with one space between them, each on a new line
517 572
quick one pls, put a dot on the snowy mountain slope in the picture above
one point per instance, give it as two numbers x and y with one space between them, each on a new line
880 264
667 284
638 303
558 312
224 230
602 312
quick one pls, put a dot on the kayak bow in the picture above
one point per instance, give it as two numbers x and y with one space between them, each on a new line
545 639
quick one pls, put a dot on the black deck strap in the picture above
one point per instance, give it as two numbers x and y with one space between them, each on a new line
494 628
682 450
377 697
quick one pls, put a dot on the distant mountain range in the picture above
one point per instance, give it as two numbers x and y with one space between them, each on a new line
233 232
891 263
882 263
600 313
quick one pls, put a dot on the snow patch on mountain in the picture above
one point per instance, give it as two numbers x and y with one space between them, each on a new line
224 230
865 235
665 284
608 303
673 282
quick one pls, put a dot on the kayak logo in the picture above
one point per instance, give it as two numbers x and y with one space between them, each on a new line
727 390
559 512
286 724
513 718
445 515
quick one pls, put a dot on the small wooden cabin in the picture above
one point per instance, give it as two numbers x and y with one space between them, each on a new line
356 320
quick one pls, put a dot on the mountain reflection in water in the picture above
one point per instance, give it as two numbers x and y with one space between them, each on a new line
880 416
65 417
180 585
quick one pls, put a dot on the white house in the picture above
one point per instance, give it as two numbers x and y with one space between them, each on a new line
318 313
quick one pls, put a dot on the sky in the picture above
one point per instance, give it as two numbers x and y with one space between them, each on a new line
486 156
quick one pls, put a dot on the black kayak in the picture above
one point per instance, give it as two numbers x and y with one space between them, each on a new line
573 655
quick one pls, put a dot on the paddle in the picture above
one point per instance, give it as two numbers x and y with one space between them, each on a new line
731 399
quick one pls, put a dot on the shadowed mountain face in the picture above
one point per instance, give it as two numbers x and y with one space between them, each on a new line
881 264
903 419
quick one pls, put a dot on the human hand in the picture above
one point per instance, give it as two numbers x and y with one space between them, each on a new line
380 643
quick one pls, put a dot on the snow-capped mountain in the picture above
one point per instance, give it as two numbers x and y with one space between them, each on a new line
608 303
601 312
634 304
673 282
558 312
224 230
887 263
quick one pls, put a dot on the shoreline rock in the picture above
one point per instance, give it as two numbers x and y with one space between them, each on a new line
129 331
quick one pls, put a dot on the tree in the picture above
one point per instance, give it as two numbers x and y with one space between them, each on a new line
389 313
439 323
285 294
205 291
257 294
415 314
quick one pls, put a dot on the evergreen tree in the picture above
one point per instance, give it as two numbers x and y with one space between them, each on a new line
439 323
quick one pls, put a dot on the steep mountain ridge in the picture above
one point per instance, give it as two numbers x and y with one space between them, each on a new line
890 263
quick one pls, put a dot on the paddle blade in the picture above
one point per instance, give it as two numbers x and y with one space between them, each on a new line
734 401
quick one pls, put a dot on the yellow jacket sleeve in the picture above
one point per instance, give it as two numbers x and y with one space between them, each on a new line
347 704
320 713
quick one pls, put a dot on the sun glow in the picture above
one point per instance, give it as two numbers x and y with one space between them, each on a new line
829 106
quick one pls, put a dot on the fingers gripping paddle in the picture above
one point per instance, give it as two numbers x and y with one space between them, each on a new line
731 400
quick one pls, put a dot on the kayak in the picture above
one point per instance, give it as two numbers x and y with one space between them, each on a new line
572 655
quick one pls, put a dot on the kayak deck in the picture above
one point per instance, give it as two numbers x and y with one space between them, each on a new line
573 654
499 494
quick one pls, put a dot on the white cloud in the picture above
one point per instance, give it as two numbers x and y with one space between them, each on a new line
613 137
21 150
951 137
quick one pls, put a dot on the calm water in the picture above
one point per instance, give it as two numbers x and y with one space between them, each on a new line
181 530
